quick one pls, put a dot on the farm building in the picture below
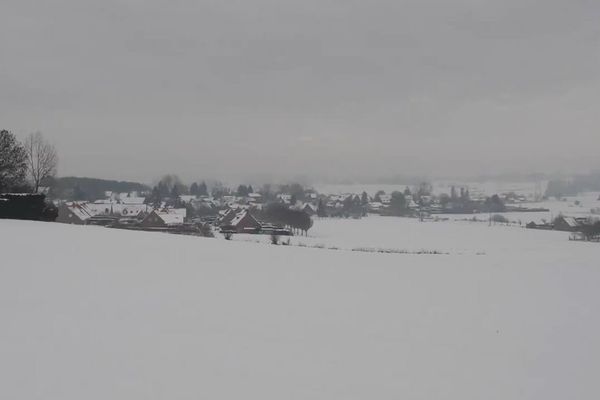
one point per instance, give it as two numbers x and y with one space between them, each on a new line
567 224
242 222
164 218
74 213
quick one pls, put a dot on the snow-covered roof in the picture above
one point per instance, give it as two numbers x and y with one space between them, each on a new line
375 204
133 200
310 205
171 216
238 217
85 210
81 210
104 201
571 222
228 215
130 209
385 198
186 198
203 202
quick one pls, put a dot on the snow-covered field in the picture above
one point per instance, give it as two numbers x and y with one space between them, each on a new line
96 313
574 206
454 237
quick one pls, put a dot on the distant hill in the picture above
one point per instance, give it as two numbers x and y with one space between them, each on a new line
77 188
574 186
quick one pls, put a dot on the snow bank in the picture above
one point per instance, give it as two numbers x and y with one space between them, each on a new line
95 313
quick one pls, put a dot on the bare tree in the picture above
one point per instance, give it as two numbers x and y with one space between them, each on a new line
41 159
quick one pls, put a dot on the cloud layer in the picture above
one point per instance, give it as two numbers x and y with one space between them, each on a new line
316 88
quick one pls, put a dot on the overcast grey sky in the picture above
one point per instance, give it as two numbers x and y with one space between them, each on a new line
234 89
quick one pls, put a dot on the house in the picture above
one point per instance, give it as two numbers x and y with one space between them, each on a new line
133 200
229 200
375 206
103 220
544 226
138 211
568 224
187 198
225 216
74 213
164 218
309 208
411 204
385 199
284 198
254 199
242 222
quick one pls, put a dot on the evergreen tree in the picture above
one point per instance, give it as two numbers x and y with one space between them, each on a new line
202 189
242 190
364 200
154 199
348 203
163 190
398 202
453 193
444 199
425 189
194 189
175 193
13 166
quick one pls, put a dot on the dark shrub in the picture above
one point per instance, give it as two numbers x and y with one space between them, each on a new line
26 206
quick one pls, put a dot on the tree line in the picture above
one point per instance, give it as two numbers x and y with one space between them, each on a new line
280 214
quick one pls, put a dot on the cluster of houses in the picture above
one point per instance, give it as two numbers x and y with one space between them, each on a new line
104 213
132 210
230 214
563 223
233 213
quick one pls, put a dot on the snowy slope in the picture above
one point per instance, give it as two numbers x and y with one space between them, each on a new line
95 313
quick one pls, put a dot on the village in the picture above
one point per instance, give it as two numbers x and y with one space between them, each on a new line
285 210
30 189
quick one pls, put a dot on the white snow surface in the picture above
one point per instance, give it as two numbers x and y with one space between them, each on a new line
96 313
452 237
